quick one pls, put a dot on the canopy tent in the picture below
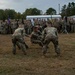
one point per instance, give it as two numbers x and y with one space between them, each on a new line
43 17
72 17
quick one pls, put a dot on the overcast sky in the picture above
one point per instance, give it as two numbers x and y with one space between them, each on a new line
22 5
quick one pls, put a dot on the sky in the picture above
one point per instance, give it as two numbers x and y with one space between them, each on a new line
22 5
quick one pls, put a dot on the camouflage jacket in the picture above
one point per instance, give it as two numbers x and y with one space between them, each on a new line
19 32
50 32
36 35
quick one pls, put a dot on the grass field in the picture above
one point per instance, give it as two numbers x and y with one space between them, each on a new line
33 63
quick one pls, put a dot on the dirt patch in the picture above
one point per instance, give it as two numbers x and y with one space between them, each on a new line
33 63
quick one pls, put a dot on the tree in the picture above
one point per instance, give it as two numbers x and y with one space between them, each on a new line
2 14
10 13
18 15
63 11
31 11
36 11
50 11
68 10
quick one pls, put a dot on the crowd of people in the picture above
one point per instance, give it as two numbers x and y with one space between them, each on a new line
8 26
41 32
49 34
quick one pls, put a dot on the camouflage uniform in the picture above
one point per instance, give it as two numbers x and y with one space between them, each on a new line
50 35
36 37
18 39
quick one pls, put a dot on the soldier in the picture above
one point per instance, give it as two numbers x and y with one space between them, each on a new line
50 34
36 36
18 39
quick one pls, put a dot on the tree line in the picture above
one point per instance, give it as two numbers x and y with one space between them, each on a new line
66 10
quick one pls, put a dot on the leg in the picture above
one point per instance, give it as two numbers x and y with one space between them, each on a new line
14 46
45 46
26 46
21 40
37 42
44 50
56 45
18 45
40 43
23 47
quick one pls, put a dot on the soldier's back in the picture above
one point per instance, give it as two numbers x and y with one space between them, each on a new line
17 32
51 30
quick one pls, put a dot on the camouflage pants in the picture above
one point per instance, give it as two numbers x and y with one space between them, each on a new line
35 41
20 43
54 40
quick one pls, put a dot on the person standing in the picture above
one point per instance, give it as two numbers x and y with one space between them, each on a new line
50 34
18 39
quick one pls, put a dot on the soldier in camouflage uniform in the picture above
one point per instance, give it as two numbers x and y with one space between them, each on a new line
50 34
36 36
18 39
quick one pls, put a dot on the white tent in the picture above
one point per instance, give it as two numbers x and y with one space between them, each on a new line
72 17
43 17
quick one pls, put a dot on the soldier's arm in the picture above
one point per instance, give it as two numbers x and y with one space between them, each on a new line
44 32
56 32
23 33
39 33
33 35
